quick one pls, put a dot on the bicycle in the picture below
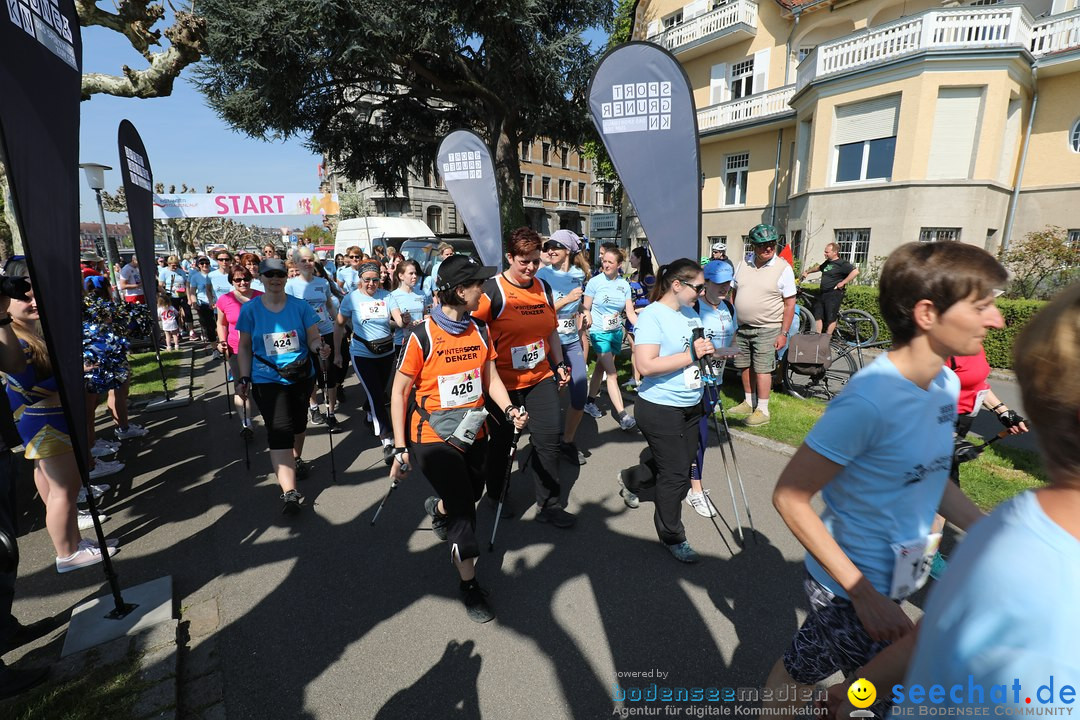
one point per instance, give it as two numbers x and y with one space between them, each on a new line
829 381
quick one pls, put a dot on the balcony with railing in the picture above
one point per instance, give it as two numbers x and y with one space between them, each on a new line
772 103
963 28
566 206
533 201
724 25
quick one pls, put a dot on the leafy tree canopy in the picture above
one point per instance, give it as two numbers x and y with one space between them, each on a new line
375 85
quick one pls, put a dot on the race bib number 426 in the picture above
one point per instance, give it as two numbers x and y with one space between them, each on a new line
281 343
459 389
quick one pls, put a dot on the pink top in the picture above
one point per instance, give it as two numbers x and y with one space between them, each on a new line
230 308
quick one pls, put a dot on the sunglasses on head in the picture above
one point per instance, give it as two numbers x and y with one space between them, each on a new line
274 274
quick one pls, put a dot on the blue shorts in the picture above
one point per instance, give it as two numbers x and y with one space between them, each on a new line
607 342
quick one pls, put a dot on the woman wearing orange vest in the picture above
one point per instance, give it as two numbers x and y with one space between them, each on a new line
448 365
520 312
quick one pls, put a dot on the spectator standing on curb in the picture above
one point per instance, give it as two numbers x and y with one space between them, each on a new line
836 275
765 305
880 458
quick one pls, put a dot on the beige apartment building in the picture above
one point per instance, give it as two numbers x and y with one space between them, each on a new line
877 122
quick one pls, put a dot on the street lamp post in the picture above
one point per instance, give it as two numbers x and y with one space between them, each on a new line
95 178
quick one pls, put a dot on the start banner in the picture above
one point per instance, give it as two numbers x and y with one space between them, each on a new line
193 205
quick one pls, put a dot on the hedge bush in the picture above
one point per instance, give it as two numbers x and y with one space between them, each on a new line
998 343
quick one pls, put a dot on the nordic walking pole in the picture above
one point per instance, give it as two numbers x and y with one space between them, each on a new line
245 431
393 486
329 432
735 462
506 485
225 366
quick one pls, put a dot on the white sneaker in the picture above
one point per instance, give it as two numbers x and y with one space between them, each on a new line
86 522
85 556
99 490
89 543
132 431
103 449
701 503
216 355
590 407
104 468
626 422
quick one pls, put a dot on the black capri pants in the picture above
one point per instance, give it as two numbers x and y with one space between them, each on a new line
375 374
672 434
458 478
208 320
334 374
541 401
284 409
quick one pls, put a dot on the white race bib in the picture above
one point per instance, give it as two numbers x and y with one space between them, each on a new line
526 357
692 377
979 397
459 389
320 310
911 565
567 326
609 322
374 310
281 343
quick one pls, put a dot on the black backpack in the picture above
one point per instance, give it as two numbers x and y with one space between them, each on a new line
809 354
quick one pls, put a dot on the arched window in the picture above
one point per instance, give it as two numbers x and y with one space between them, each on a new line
1074 137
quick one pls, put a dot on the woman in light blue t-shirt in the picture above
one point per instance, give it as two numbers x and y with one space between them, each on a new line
412 304
669 399
608 301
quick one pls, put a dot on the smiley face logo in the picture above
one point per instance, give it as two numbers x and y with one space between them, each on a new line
862 693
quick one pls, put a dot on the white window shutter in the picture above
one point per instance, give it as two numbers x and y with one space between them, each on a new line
653 29
695 8
867 120
761 70
718 84
956 120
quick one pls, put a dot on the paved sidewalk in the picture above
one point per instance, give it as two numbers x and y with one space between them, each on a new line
325 616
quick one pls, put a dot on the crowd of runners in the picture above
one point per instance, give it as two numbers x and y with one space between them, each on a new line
454 365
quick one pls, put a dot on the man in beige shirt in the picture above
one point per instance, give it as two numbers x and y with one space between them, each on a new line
764 305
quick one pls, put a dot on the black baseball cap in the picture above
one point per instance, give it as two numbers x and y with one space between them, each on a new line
460 269
271 265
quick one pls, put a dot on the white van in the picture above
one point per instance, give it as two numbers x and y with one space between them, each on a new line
367 232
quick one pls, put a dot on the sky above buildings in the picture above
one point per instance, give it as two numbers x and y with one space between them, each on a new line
186 141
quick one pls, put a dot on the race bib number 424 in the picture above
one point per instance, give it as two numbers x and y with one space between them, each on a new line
281 343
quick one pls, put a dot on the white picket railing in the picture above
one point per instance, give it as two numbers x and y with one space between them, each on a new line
761 105
966 28
1056 33
727 15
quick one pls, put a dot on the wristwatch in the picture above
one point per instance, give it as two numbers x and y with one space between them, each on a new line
507 409
244 381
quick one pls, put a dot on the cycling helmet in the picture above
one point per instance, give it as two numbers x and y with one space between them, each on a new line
760 234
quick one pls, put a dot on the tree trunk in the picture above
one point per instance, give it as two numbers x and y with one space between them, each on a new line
507 176
10 242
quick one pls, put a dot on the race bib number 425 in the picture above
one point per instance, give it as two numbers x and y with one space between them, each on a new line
526 357
281 343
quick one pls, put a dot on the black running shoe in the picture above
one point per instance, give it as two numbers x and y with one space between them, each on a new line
292 501
438 520
332 423
571 453
475 603
315 417
302 469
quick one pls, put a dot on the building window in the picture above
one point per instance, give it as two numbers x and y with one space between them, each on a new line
526 151
582 193
735 179
545 186
1074 239
804 51
866 160
566 158
932 234
527 185
580 161
434 219
673 19
985 2
546 154
1074 137
742 79
854 245
713 239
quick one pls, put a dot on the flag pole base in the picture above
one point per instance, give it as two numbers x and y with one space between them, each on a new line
160 403
98 621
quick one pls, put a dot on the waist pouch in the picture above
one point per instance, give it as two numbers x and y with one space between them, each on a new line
457 427
380 346
299 369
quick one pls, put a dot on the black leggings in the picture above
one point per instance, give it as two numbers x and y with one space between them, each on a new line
541 401
374 374
334 374
458 478
208 320
284 409
183 307
672 434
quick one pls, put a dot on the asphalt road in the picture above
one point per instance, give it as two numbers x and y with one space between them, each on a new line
325 616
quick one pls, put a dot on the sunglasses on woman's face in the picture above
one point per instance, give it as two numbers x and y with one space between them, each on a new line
204 262
356 257
224 259
549 246
241 279
274 274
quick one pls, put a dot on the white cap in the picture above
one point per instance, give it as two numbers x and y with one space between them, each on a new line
719 246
